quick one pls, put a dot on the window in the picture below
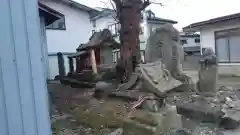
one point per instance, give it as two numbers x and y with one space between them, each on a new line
116 55
183 41
58 25
228 45
197 40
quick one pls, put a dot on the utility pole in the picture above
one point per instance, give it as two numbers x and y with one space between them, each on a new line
129 16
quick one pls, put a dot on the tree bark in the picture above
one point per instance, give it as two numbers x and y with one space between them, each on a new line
129 15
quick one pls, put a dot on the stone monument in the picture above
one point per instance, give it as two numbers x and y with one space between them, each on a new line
208 72
164 44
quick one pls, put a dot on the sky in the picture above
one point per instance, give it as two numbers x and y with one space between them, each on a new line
183 11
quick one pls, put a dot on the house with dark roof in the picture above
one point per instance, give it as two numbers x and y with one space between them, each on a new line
190 42
107 19
222 34
75 27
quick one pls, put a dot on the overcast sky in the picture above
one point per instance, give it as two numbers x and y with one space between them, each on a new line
185 11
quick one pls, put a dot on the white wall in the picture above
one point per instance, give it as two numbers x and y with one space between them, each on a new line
207 34
78 29
104 22
207 38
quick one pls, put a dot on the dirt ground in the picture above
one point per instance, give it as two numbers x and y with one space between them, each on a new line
66 98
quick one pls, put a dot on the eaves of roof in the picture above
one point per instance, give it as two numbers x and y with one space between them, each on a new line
213 21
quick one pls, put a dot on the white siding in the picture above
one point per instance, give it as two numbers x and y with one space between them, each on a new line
208 40
23 92
104 22
207 34
44 48
78 29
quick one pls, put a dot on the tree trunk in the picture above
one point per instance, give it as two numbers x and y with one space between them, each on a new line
129 15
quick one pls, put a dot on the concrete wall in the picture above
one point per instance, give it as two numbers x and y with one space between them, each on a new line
78 29
207 38
23 91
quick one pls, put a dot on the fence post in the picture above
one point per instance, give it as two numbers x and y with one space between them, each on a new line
71 68
61 66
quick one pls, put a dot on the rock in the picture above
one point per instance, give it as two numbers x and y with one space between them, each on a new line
188 123
179 132
117 132
147 123
156 79
152 105
200 110
131 127
169 121
103 86
206 129
229 123
102 89
131 82
231 119
66 132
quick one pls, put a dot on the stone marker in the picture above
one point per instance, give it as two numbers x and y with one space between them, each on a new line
157 79
208 72
164 44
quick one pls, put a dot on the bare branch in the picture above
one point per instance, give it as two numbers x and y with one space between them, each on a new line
114 8
118 4
144 4
159 3
110 8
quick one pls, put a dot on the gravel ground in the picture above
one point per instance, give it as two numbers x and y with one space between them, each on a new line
64 124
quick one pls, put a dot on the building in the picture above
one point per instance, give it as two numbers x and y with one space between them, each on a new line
65 34
190 42
102 44
222 34
23 91
107 19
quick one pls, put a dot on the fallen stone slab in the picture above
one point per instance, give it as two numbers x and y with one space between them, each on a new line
147 123
156 79
200 110
131 82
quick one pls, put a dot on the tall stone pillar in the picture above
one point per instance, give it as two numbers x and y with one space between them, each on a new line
61 65
23 91
208 73
71 67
